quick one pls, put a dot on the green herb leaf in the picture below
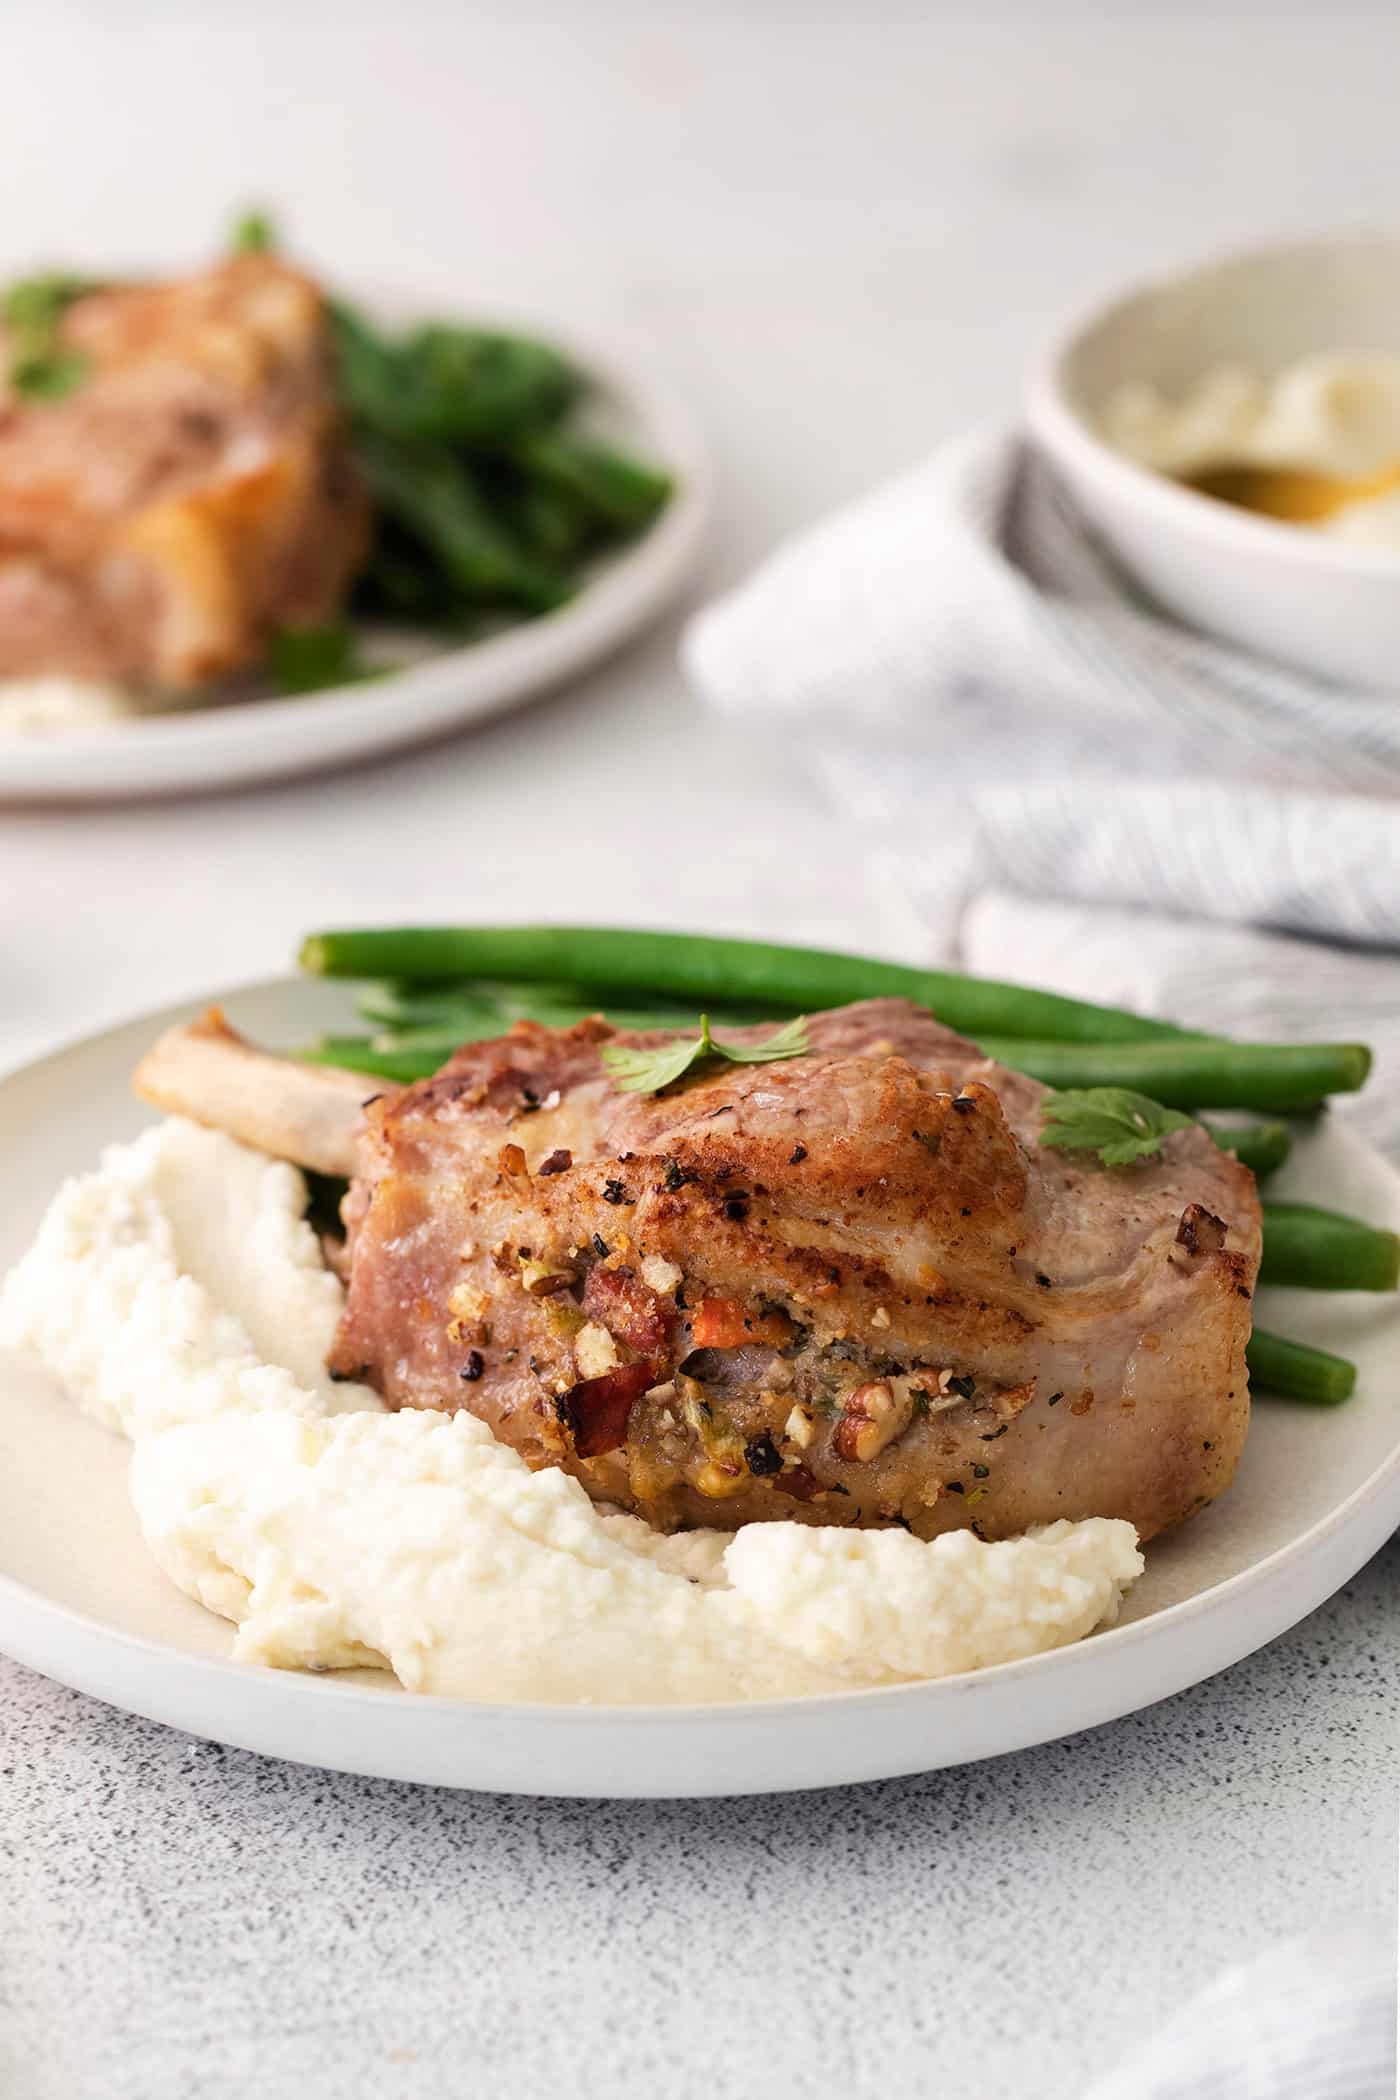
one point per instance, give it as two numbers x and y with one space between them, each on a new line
48 375
253 234
1113 1121
791 1041
32 311
648 1071
309 659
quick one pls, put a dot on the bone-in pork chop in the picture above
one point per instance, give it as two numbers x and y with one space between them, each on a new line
850 1288
190 491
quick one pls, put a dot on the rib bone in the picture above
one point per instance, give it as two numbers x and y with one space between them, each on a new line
309 1114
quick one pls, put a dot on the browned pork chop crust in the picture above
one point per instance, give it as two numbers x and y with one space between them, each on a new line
192 492
849 1288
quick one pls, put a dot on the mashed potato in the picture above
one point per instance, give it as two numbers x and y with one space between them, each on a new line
179 1295
57 706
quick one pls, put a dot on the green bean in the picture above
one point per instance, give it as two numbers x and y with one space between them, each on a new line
404 1053
1196 1072
356 1053
1296 1372
551 1003
1324 1250
404 1007
479 1024
547 523
448 385
1262 1147
402 582
695 966
431 494
478 386
438 1042
620 493
396 1006
367 369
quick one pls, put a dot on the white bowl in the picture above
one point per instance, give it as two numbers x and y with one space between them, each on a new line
1302 597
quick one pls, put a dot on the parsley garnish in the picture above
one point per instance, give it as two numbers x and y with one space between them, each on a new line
309 659
648 1071
48 375
254 234
33 310
35 305
1113 1121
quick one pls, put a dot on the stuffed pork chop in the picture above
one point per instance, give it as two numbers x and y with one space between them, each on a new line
188 491
848 1288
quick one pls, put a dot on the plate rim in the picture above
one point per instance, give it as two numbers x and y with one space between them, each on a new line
1376 1496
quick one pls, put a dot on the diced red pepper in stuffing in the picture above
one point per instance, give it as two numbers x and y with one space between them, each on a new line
595 1412
722 1323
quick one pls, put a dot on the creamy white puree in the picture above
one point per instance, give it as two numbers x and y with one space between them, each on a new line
56 706
179 1295
1336 414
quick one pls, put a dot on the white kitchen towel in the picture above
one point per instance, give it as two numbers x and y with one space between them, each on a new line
1313 2019
994 708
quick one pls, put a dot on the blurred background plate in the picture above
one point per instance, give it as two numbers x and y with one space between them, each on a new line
1317 1493
239 741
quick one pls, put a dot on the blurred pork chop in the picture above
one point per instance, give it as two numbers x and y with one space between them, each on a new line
189 493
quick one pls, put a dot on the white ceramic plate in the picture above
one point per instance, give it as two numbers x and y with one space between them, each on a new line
1317 1494
266 739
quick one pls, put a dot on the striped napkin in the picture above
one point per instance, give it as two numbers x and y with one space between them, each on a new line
1064 785
1312 2019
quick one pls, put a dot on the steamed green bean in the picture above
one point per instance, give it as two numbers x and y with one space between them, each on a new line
1324 1250
694 966
1196 1071
1295 1371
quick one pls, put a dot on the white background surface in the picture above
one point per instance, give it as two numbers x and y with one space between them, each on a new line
838 230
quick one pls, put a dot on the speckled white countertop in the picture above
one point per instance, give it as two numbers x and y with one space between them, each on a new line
183 1922
838 229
